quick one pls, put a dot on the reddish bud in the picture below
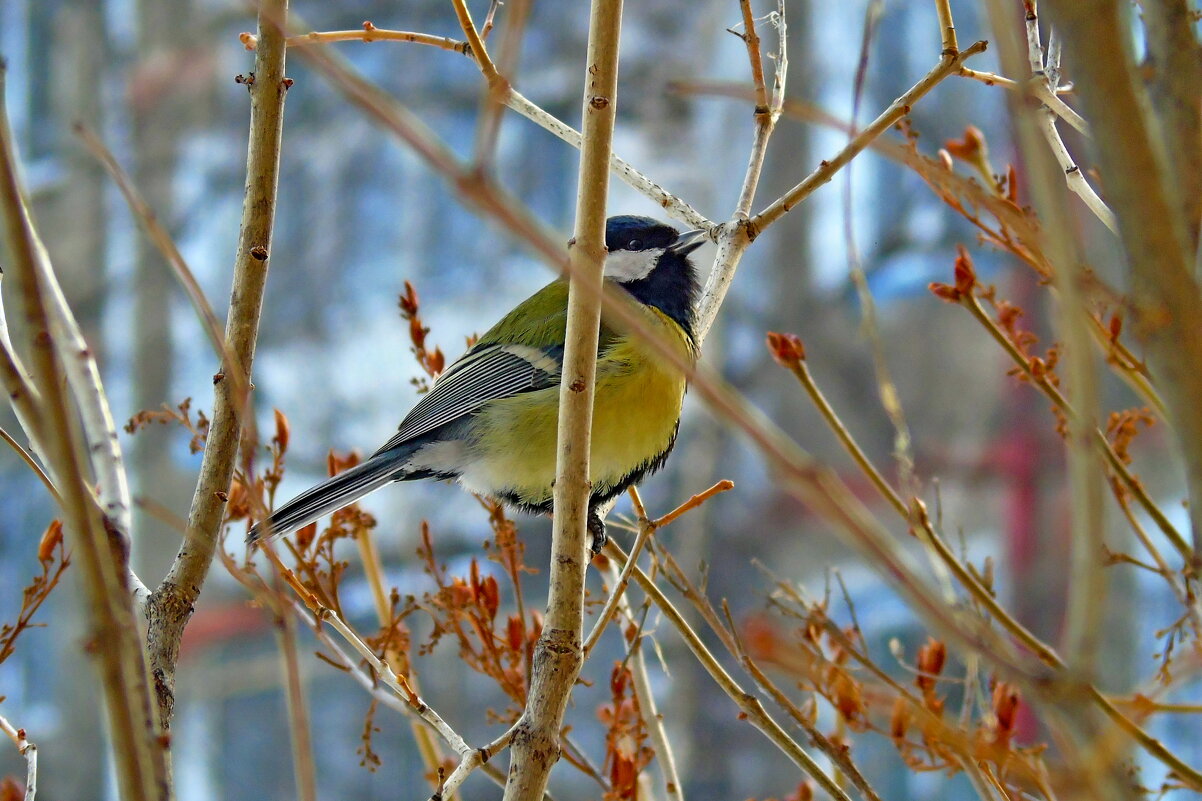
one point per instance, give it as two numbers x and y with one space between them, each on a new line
515 633
617 680
899 721
408 302
50 541
1116 327
282 430
417 333
786 349
944 292
847 697
760 637
491 595
1008 314
966 276
931 658
1012 184
1005 707
969 148
305 536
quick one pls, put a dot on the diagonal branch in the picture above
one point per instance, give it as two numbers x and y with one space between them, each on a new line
950 65
140 754
1139 182
173 601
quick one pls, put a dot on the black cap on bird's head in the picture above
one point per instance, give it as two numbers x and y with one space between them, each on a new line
650 260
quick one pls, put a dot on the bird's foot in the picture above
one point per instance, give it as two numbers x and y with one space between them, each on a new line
596 527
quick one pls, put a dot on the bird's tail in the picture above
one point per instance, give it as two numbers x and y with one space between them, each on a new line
332 494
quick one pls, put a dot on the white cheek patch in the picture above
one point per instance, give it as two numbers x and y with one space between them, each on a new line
624 266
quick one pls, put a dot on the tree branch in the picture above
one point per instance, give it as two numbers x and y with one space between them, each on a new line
558 655
140 753
1166 300
172 603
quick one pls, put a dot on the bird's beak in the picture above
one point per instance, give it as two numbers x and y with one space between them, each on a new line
689 241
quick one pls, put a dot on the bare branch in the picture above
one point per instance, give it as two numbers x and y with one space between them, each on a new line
558 655
173 601
27 750
1087 588
161 238
673 790
747 702
898 109
140 754
1139 181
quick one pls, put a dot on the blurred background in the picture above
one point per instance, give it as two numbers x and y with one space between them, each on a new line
359 215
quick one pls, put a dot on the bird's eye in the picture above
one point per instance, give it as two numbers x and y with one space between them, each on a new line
634 244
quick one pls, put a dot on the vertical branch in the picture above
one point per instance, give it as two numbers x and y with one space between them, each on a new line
298 711
1166 299
736 235
172 603
27 750
1088 579
673 789
947 30
427 747
103 448
1175 90
557 657
104 552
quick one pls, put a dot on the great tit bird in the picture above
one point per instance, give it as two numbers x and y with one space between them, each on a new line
489 421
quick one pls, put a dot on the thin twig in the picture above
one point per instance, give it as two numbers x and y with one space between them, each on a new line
161 238
673 789
299 732
645 529
947 29
898 109
1107 451
374 571
735 236
27 750
1156 236
488 126
369 33
747 702
1088 584
27 457
674 206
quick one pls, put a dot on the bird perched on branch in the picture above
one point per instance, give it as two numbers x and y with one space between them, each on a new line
490 419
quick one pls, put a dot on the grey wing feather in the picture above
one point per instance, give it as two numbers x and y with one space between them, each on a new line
490 373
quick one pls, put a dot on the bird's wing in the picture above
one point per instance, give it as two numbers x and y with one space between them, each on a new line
521 353
483 374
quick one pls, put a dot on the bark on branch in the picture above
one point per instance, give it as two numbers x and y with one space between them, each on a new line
172 603
558 655
1140 188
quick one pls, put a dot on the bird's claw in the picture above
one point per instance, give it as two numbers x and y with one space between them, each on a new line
596 527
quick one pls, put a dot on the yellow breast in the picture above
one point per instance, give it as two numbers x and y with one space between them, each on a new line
635 414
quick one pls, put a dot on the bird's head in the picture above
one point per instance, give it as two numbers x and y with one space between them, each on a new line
650 260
